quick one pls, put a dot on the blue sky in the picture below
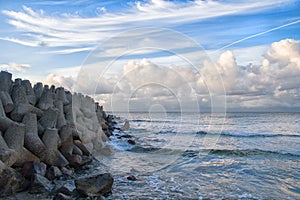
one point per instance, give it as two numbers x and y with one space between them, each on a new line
39 38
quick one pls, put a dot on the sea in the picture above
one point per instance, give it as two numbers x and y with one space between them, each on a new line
206 156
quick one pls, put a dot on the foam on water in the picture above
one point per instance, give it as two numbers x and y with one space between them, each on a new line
256 157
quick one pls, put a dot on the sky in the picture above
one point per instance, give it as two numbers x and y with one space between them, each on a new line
190 55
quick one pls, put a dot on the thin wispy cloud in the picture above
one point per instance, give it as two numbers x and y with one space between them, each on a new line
74 33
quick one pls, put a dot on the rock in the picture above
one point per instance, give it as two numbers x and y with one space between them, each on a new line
49 118
7 102
104 126
21 109
78 161
53 173
66 150
101 198
31 139
96 185
5 81
31 168
125 127
46 99
66 138
10 181
39 184
81 146
67 172
132 142
7 155
108 133
5 122
68 111
14 138
61 196
67 189
61 121
53 156
77 151
131 178
109 118
124 136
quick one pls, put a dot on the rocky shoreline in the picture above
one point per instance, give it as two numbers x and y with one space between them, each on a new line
46 134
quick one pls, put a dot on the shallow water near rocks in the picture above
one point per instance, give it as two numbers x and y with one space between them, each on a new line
198 156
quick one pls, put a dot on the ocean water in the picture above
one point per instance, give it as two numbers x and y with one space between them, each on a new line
207 156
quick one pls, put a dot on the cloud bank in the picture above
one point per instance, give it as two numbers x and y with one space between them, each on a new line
14 67
273 84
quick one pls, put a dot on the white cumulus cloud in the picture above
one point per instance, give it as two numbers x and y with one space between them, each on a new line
15 67
273 84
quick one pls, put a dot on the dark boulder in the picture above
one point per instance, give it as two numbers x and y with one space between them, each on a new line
67 172
96 185
11 182
131 178
61 196
53 173
31 168
67 189
132 142
39 184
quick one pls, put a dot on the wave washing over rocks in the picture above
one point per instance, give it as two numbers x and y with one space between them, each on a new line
47 135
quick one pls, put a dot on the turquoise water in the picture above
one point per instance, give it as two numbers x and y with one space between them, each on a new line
203 155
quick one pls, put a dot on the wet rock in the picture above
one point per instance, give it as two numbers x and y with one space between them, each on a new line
81 146
131 178
124 136
61 196
108 133
53 173
66 189
104 126
132 142
31 168
78 161
77 151
101 198
125 127
96 185
67 172
39 184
